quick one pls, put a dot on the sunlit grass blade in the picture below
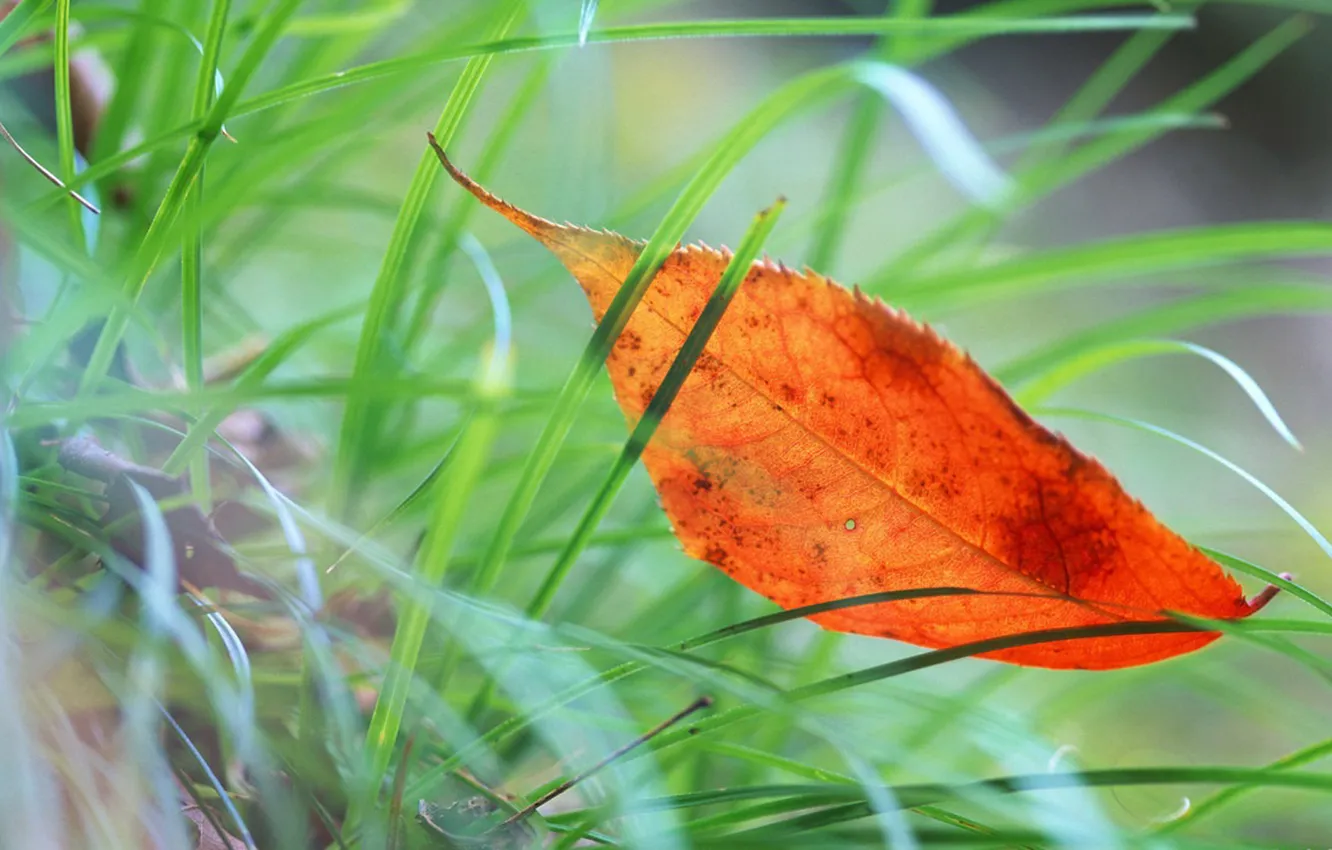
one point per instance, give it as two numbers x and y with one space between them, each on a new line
1096 154
1043 385
586 16
1208 308
1125 256
954 151
452 494
965 27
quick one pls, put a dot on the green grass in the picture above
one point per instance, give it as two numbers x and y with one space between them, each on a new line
440 440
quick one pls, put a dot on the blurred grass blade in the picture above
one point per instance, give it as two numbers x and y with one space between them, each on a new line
27 794
452 493
423 488
88 13
15 23
148 665
935 124
501 314
968 28
350 20
512 726
1138 254
1041 182
927 793
168 211
288 714
495 148
920 661
228 805
274 355
1044 384
586 16
46 172
964 27
1099 90
362 418
191 261
1228 304
64 115
9 498
857 141
307 577
240 665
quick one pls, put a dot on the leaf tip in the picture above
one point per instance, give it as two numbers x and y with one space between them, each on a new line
534 225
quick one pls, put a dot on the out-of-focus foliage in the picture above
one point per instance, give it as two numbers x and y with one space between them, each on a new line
289 366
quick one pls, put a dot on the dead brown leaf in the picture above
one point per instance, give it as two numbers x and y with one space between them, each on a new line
202 555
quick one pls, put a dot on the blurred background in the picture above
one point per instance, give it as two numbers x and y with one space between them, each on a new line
301 208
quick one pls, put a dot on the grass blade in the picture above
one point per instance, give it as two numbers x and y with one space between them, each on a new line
452 494
799 94
693 346
690 351
361 419
1042 385
586 15
168 211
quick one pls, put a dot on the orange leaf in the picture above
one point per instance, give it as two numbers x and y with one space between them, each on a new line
827 446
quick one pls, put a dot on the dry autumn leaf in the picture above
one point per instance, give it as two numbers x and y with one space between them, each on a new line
827 446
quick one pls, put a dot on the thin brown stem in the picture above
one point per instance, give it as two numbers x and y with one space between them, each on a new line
45 172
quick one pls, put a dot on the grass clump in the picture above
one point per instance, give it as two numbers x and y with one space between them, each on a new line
319 527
